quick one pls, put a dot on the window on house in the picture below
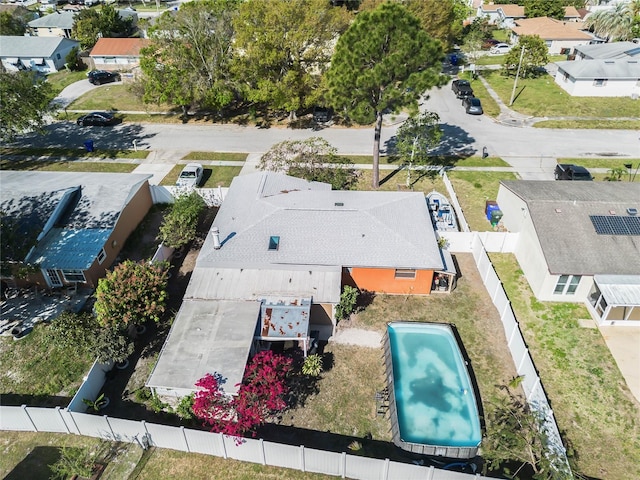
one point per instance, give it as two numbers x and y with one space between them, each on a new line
73 276
567 284
565 77
599 82
274 242
102 256
405 273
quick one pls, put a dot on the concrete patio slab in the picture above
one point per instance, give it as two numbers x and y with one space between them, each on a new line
624 344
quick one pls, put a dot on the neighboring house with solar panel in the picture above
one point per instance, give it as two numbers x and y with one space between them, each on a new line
273 266
69 226
578 242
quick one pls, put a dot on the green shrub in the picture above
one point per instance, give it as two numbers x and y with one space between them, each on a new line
348 302
114 344
179 225
185 407
312 365
73 331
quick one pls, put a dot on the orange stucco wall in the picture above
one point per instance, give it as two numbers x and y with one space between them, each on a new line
382 280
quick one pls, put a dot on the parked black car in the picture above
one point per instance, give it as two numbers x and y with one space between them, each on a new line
567 171
101 119
321 114
462 88
472 105
98 77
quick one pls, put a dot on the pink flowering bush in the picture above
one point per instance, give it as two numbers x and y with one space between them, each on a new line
261 394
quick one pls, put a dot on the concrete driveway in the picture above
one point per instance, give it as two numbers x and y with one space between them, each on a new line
624 344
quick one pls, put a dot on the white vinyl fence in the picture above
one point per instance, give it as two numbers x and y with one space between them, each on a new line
531 383
35 419
213 197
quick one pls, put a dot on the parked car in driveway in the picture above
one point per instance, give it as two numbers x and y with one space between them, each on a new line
472 106
191 175
102 119
500 49
98 77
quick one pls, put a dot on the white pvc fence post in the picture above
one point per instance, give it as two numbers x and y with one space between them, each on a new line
385 469
184 437
432 472
63 420
263 457
106 419
224 447
24 409
343 467
302 465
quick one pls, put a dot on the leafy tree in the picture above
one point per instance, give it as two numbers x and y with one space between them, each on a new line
24 103
179 225
544 8
113 343
90 24
73 61
481 27
517 433
188 61
286 46
11 25
313 159
472 45
417 137
348 302
384 62
534 59
622 22
442 19
261 394
132 293
76 461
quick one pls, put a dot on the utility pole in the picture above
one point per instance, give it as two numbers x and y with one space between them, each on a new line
515 83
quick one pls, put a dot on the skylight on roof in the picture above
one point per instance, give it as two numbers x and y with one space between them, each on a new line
274 242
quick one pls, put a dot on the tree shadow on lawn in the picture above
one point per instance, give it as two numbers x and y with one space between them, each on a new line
35 464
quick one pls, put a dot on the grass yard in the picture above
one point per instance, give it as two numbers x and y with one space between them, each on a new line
473 189
112 97
33 367
602 162
63 166
394 180
74 153
215 156
542 97
596 413
590 124
214 176
27 455
64 78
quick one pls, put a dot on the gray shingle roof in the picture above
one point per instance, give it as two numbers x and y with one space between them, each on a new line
58 19
43 47
560 215
604 51
606 69
318 226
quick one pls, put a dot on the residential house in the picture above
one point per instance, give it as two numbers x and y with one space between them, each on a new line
506 15
560 37
578 242
42 54
71 225
117 53
608 51
600 78
273 265
57 24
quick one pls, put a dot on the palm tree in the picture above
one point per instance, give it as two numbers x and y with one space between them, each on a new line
616 23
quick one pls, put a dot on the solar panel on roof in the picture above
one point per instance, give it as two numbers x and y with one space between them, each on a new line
614 225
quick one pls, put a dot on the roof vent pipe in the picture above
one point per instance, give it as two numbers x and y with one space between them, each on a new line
215 232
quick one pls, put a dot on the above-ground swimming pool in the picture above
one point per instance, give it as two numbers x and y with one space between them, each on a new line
431 398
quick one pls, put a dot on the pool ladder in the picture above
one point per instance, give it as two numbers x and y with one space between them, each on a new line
382 401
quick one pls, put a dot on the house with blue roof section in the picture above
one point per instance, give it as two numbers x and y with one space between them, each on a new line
67 227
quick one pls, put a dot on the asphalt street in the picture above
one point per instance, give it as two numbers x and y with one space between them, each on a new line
463 134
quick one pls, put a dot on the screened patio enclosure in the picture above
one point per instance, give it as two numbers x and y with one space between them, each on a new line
615 300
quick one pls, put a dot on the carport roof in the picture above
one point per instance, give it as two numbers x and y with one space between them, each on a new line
207 336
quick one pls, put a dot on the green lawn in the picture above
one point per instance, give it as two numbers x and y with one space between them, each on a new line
214 176
64 78
112 97
542 97
213 156
35 367
74 153
473 189
596 413
590 124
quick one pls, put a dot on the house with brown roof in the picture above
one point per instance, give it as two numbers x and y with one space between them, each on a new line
117 53
505 15
561 37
